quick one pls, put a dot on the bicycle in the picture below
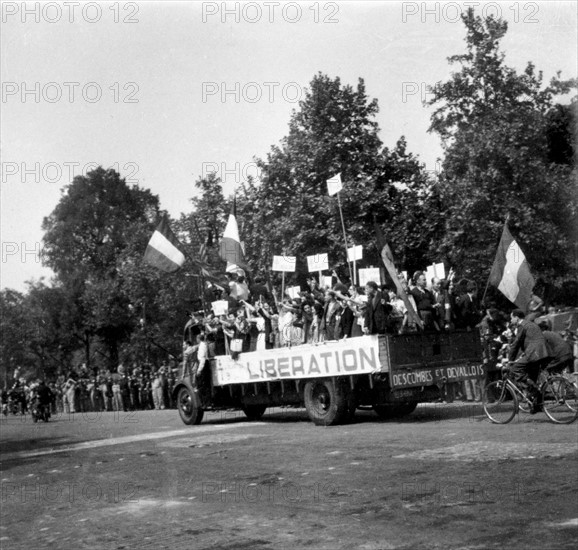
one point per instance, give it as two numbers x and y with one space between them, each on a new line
559 401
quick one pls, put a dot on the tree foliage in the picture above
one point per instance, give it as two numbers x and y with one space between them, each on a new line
500 131
333 131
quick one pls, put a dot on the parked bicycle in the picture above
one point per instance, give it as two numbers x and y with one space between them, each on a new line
503 398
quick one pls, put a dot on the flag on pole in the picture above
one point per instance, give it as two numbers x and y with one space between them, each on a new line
387 258
231 249
197 241
511 271
334 184
163 250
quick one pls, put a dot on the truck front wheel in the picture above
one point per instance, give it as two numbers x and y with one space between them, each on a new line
326 402
189 406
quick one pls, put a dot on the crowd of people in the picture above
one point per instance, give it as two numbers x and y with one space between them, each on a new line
257 318
79 391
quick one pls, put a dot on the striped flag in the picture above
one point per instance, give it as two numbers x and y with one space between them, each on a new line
387 258
231 248
163 250
511 271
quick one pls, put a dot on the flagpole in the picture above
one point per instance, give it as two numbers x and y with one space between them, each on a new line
488 282
344 235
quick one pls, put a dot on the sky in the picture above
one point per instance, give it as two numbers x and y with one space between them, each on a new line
165 92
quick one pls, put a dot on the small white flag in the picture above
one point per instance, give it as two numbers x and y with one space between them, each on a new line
355 253
334 184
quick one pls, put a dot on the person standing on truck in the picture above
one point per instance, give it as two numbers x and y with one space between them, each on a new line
441 305
377 310
202 358
329 318
424 301
531 345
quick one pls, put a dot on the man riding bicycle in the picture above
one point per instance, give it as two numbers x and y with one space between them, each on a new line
525 366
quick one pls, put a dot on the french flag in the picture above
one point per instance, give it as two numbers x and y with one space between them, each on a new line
231 248
163 250
511 272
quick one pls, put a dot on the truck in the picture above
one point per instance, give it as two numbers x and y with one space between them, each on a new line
390 374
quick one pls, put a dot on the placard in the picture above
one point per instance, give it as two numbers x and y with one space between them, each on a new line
369 274
220 307
284 263
334 184
327 281
293 292
355 253
319 262
439 270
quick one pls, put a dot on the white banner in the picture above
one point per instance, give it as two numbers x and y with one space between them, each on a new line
334 184
284 263
355 253
319 262
327 281
369 274
341 358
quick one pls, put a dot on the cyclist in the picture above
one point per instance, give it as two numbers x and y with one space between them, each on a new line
528 354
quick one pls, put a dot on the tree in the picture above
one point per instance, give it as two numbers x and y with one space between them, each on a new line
494 126
333 131
97 219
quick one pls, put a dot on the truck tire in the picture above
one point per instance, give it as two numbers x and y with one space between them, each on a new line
254 412
326 402
189 406
395 410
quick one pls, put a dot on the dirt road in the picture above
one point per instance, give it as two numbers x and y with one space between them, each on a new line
443 477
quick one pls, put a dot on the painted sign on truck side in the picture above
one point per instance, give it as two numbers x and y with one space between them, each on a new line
337 358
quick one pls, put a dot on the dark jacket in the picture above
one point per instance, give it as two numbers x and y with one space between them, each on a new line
345 325
424 299
376 313
531 342
557 347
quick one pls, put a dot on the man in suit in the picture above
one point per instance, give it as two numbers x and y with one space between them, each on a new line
441 305
424 301
377 311
528 354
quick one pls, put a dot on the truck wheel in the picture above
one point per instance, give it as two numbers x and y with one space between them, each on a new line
189 406
254 412
391 410
326 402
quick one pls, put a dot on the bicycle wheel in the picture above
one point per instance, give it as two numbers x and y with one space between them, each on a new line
500 402
559 400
